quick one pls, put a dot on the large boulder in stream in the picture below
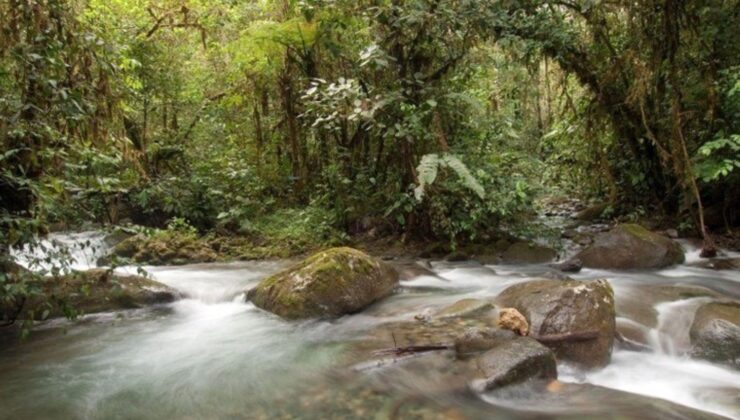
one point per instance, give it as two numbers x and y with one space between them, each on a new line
576 319
631 246
93 291
715 333
331 283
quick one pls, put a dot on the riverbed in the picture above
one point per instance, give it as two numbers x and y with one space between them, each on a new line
213 355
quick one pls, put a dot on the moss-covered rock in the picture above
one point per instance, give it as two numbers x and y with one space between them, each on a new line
631 246
715 333
162 248
94 291
331 283
528 253
117 235
581 313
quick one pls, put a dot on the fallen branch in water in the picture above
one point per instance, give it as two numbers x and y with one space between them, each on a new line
402 351
566 337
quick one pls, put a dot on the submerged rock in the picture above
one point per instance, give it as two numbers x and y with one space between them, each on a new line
575 318
331 283
465 308
718 264
715 333
514 361
527 253
638 302
409 270
631 246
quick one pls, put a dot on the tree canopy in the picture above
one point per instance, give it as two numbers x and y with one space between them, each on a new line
439 119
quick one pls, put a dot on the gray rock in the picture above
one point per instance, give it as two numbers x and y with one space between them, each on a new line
575 318
514 361
573 265
631 246
476 340
715 333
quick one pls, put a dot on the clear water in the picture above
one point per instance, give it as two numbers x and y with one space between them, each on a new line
214 356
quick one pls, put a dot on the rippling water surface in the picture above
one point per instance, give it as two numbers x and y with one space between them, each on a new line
214 356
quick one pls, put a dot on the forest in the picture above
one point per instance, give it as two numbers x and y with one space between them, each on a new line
175 145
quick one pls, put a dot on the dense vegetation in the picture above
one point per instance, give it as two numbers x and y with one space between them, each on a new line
313 121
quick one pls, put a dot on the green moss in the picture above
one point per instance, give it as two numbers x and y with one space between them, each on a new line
330 282
638 231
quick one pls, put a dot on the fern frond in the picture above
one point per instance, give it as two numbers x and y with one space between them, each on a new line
428 170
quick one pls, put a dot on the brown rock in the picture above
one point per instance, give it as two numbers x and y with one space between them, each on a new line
513 320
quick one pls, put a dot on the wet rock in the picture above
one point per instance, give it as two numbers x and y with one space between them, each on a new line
94 291
574 265
527 253
577 316
671 233
718 264
330 283
591 213
586 401
512 320
466 308
116 236
476 340
556 275
162 248
715 333
410 270
638 302
631 246
514 361
632 331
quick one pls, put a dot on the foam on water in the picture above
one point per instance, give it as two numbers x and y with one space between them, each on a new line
213 354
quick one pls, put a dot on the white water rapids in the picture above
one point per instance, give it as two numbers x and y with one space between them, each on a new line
212 355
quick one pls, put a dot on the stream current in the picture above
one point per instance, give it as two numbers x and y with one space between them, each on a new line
214 356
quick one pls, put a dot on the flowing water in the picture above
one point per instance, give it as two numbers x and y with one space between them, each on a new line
214 356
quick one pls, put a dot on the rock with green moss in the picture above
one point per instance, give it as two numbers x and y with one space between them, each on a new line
94 291
576 319
331 283
528 253
631 246
715 333
162 248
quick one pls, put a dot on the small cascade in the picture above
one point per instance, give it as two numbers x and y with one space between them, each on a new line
80 249
671 335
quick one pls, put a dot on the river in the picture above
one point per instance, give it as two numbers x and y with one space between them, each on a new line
214 356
